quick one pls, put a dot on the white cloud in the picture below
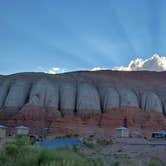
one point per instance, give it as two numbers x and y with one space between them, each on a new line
97 68
155 63
55 70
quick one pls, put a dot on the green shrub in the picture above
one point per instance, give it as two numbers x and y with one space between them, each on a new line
104 141
76 135
68 135
22 140
75 148
20 152
154 161
91 135
89 144
11 149
116 163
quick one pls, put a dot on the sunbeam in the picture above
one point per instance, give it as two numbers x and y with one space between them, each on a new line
80 34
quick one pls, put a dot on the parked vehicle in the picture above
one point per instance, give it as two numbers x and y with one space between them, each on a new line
159 134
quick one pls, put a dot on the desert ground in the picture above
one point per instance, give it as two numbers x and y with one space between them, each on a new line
128 151
101 152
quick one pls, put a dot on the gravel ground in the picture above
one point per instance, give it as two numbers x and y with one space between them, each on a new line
131 151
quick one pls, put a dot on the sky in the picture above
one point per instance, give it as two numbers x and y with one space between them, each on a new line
67 35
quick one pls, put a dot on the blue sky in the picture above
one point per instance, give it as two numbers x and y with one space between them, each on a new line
36 35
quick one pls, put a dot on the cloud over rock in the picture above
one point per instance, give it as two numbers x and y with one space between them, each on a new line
97 68
155 63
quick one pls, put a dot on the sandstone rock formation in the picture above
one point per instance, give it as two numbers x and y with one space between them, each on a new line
87 99
151 102
164 105
4 87
109 98
39 100
44 94
18 94
67 97
84 92
128 98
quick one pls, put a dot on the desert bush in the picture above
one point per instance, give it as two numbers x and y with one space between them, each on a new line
75 148
116 163
123 161
104 141
154 161
20 152
89 144
11 149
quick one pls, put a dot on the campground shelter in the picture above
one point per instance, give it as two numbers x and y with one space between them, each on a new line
2 131
122 132
24 130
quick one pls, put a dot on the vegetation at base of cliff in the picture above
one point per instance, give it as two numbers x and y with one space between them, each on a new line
154 161
104 142
89 144
21 153
92 142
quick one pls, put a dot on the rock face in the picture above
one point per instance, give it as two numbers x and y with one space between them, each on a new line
164 105
98 101
67 97
44 94
4 87
110 98
128 98
37 120
85 92
87 99
18 94
151 102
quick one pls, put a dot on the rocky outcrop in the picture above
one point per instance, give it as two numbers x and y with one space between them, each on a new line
151 102
53 124
97 99
87 99
67 97
18 94
128 98
164 105
4 87
84 92
109 98
44 94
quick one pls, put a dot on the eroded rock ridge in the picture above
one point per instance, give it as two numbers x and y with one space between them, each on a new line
85 92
